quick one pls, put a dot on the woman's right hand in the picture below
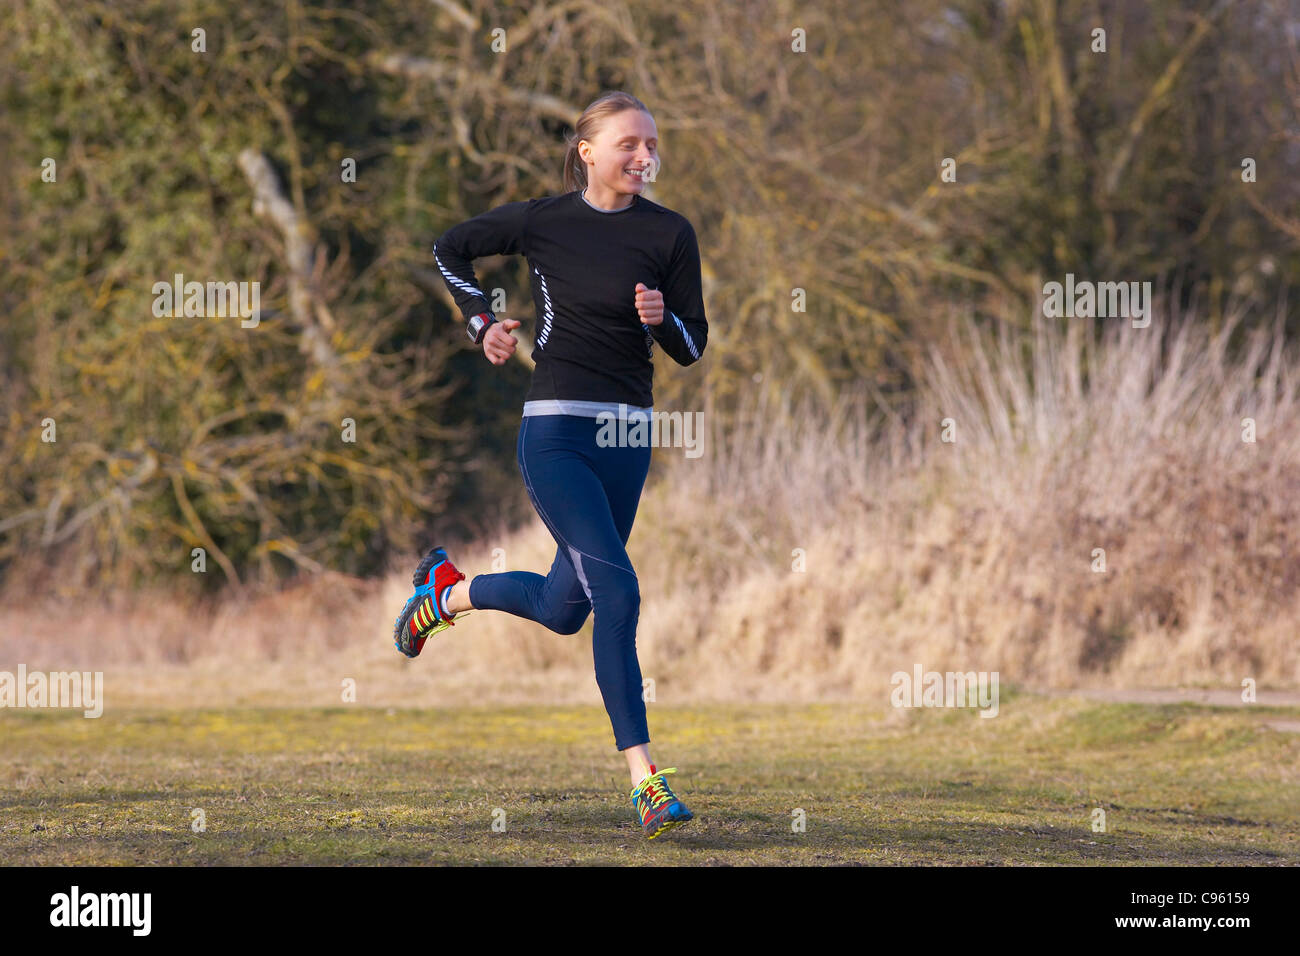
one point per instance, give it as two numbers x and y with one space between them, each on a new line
498 343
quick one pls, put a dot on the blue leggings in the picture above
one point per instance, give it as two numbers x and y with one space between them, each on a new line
588 496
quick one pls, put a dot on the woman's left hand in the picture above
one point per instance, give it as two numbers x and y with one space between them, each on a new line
649 304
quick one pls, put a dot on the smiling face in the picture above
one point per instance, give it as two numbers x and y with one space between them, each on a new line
621 158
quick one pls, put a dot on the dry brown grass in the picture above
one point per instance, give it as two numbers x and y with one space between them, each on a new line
970 555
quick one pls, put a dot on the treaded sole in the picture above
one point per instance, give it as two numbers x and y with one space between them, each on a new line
666 827
669 824
427 564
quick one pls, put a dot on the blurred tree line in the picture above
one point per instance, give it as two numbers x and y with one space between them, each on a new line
805 141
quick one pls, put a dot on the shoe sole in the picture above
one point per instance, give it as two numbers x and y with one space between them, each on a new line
668 825
426 566
665 828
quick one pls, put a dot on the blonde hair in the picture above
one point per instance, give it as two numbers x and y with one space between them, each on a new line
589 124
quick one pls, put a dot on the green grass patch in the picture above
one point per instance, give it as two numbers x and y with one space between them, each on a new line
1179 784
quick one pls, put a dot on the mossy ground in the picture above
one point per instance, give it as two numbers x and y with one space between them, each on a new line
1179 784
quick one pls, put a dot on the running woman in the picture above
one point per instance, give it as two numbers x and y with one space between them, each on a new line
612 273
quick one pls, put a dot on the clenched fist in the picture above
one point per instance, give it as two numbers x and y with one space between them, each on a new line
649 304
498 343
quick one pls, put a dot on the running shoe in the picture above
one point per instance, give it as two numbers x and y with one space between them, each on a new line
656 805
423 614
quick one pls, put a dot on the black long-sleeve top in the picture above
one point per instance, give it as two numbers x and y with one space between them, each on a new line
585 263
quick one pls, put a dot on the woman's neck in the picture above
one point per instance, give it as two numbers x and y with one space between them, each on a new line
602 203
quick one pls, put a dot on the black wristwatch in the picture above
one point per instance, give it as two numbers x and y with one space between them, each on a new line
478 325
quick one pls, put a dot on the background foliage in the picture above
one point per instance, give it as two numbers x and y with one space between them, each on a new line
816 171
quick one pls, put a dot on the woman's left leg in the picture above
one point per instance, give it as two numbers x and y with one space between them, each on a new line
588 495
624 476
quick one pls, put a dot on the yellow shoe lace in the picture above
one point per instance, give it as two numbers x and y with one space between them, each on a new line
653 790
433 618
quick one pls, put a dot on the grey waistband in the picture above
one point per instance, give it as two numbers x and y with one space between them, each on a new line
565 406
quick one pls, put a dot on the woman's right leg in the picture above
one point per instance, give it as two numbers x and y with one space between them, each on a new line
556 601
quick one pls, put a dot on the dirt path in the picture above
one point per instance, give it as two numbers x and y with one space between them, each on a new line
1216 697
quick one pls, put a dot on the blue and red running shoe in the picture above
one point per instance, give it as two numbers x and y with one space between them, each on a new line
424 613
656 805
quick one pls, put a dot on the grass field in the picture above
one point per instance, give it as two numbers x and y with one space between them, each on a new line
1180 784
